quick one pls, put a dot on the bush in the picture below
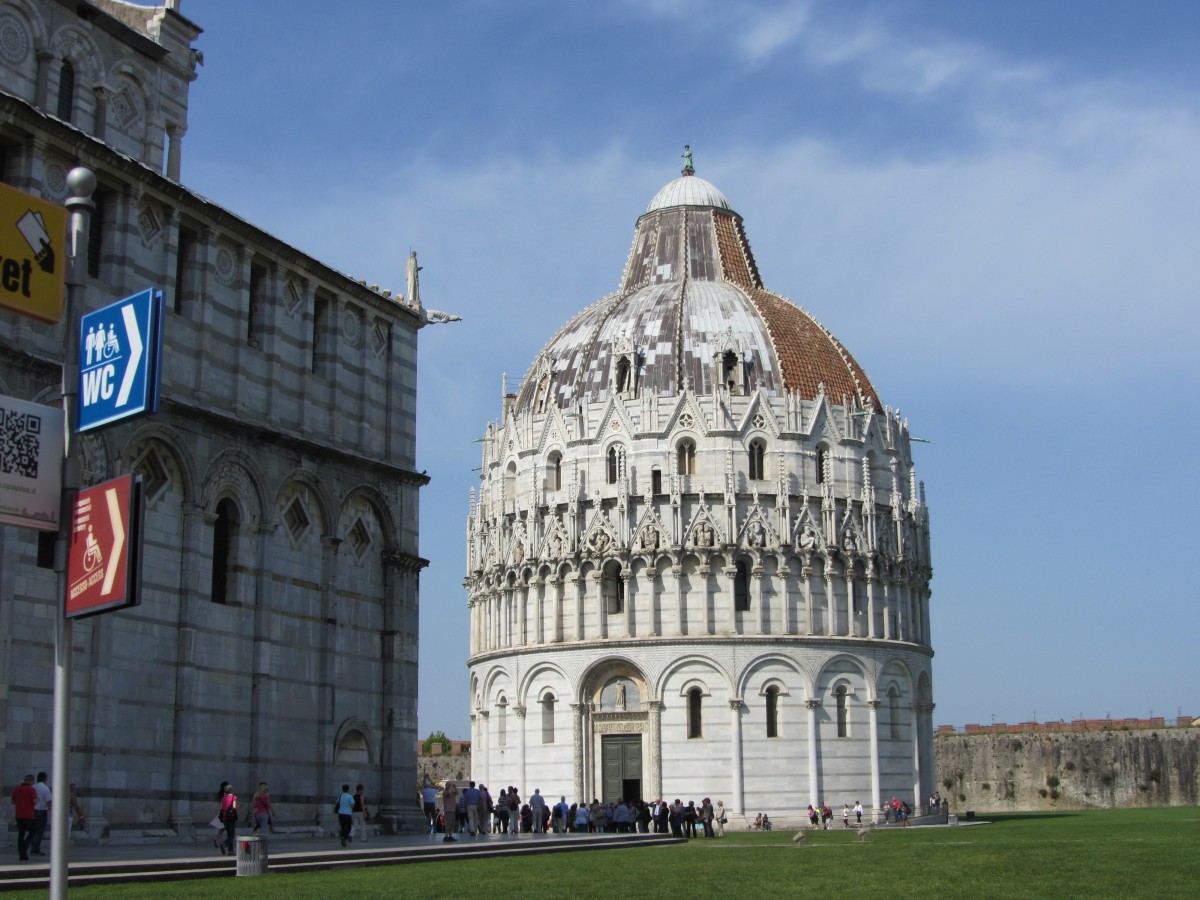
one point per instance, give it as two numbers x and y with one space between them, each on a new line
437 737
1043 792
1052 781
1070 767
987 786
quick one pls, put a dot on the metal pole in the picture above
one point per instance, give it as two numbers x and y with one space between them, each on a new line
81 183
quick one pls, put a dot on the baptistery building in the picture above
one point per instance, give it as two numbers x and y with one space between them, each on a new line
698 563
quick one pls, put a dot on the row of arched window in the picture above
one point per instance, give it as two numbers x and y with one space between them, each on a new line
695 714
685 464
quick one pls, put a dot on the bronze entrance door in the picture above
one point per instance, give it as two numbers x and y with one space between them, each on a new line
621 764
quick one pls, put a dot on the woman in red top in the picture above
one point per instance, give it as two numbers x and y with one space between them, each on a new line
228 814
24 798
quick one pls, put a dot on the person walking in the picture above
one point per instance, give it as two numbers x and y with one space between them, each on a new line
449 809
227 812
360 814
344 807
24 799
261 809
41 814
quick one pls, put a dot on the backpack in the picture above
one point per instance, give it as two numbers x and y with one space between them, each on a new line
231 813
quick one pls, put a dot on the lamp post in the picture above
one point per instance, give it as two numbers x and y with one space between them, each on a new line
80 183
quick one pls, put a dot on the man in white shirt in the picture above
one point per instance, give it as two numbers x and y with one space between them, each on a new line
41 813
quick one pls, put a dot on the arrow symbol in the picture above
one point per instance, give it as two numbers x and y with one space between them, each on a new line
118 527
135 354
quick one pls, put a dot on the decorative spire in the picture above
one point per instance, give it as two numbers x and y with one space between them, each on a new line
688 168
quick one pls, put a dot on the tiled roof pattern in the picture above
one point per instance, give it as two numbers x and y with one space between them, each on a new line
690 282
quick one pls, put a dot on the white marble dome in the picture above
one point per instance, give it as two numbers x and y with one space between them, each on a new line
698 562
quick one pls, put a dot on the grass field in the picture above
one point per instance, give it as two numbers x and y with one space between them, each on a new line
1125 853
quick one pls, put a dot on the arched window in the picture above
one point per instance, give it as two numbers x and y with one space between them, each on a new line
554 472
894 713
686 458
741 587
502 722
729 371
66 90
822 458
612 465
656 480
695 699
510 483
623 375
772 712
225 535
758 452
843 717
352 749
548 719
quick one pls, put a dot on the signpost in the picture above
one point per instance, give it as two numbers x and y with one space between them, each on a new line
103 561
120 347
31 455
33 257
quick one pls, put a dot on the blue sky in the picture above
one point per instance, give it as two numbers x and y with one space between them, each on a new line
995 206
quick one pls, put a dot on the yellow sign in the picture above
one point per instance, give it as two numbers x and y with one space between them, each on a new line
33 254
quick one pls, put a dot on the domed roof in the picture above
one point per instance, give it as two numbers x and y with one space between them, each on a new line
692 313
688 190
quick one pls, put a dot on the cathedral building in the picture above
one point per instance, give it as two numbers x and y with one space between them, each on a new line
698 563
276 638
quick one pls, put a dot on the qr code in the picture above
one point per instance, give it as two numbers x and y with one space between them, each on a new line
20 434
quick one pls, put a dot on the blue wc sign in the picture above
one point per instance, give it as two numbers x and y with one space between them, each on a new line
120 348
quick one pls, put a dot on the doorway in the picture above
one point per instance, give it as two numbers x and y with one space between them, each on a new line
621 765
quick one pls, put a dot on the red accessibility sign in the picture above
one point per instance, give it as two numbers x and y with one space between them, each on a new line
103 562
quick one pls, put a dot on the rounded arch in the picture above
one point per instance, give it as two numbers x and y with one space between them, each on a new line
156 434
758 664
690 659
537 671
234 473
380 508
309 480
894 670
355 743
73 44
592 680
495 675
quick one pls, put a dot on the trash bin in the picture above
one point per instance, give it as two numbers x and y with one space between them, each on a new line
251 855
951 820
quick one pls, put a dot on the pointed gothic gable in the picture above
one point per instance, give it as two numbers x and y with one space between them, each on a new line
518 546
555 544
851 537
756 532
824 424
703 532
806 530
650 536
614 421
600 536
687 415
759 416
554 431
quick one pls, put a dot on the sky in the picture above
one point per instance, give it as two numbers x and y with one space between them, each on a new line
994 206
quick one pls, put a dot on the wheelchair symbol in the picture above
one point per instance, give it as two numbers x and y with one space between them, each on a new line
92 556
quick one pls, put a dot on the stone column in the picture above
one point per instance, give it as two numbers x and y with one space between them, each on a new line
602 604
522 598
651 574
814 781
789 614
830 623
887 611
871 607
520 717
916 754
100 121
578 714
764 623
580 590
729 572
873 713
654 748
559 588
735 756
42 92
539 633
806 575
480 755
680 603
174 151
627 582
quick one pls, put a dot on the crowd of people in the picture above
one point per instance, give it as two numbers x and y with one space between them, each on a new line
473 810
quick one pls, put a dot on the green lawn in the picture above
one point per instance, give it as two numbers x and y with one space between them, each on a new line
1119 853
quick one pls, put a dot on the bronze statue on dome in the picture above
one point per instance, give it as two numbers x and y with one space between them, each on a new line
688 168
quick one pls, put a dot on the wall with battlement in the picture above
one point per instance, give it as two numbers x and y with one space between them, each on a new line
1101 763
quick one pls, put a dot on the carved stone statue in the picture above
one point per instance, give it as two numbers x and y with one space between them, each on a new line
649 538
619 702
808 538
755 536
600 541
703 536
